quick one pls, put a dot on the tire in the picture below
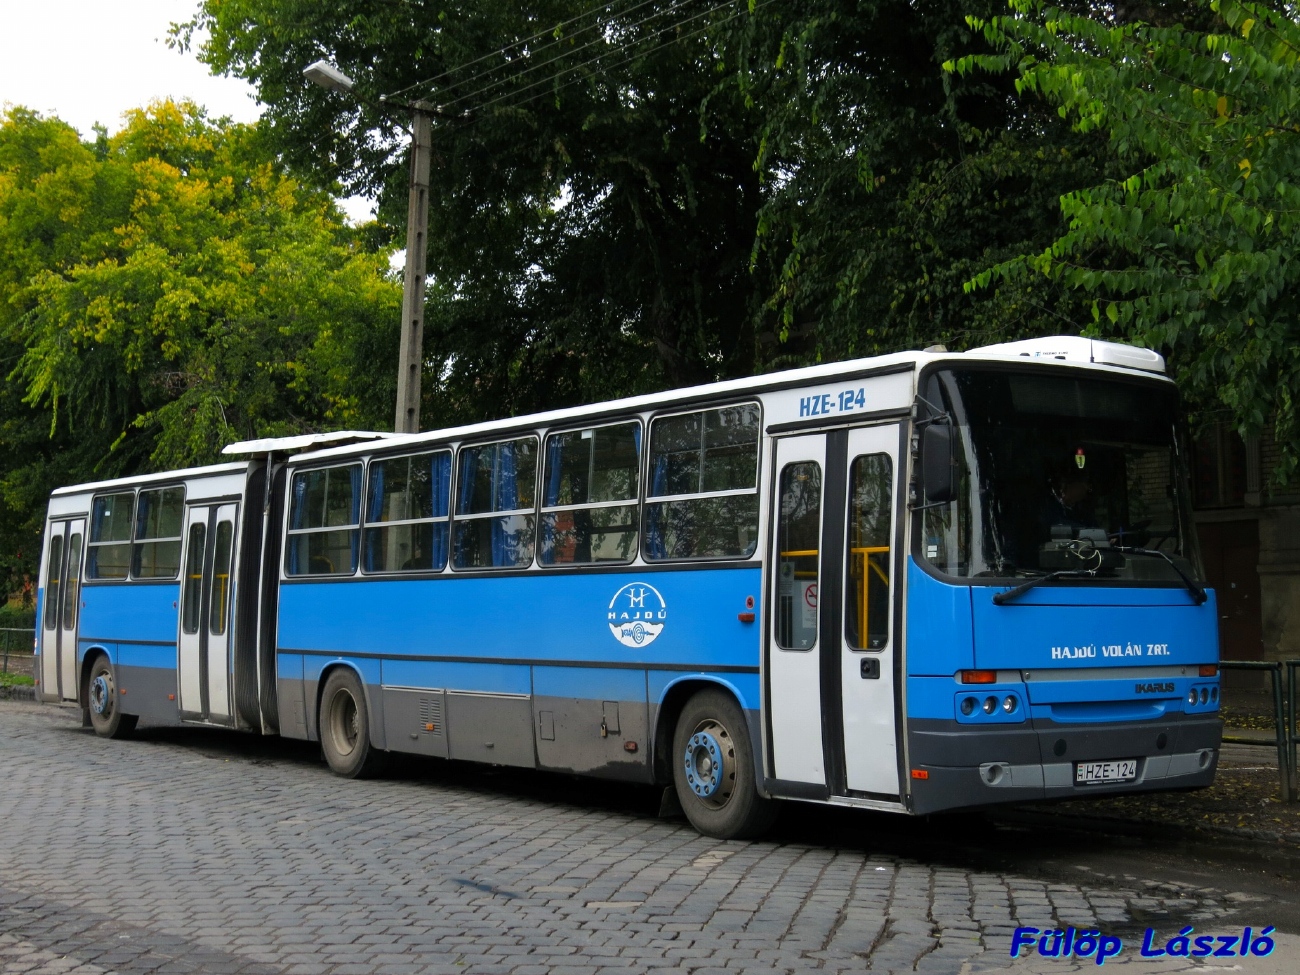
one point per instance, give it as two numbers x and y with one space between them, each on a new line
345 728
713 769
102 704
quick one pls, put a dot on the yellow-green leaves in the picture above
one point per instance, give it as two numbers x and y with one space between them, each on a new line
177 292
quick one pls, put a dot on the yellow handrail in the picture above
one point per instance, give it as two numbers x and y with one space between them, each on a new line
863 595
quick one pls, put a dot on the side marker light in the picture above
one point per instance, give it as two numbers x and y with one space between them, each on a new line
745 617
920 773
1209 670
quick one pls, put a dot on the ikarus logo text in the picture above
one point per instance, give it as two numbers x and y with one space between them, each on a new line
637 614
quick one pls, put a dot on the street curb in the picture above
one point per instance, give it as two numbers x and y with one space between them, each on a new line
17 693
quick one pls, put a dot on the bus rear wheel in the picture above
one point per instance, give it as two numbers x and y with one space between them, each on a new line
345 728
102 703
713 769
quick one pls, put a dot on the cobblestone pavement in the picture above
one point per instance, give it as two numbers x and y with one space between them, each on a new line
205 852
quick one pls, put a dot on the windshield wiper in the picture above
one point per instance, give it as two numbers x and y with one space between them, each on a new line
1009 594
1198 594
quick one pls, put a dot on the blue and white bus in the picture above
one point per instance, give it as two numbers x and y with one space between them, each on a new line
912 583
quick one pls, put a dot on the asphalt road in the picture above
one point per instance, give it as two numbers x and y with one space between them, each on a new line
200 851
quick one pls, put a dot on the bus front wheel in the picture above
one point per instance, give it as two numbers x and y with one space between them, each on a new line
345 728
713 769
101 702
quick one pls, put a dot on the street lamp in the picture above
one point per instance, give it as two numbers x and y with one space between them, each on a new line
407 416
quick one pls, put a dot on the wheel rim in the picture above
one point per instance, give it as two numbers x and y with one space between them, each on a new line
101 694
345 725
710 764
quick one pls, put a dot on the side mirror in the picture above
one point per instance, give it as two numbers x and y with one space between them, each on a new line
938 473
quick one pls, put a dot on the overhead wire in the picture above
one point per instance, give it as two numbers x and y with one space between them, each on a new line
449 105
548 32
629 45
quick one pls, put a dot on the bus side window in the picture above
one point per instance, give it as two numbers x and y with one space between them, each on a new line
798 539
702 501
324 522
109 549
589 495
158 519
407 501
496 501
866 605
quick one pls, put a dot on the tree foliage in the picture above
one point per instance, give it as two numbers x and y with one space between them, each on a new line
1192 248
655 194
166 291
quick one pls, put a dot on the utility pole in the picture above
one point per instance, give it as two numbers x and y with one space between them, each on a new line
410 360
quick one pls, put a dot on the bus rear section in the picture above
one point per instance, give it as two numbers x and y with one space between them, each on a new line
1060 641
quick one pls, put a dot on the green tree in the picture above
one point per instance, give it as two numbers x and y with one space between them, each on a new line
653 194
888 183
166 291
1192 248
593 199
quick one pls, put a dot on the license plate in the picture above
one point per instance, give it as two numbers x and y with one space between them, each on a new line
1087 773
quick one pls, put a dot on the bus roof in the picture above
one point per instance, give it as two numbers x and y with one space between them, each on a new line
1053 350
181 475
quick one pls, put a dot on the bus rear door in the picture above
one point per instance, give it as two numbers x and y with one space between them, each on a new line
61 610
205 612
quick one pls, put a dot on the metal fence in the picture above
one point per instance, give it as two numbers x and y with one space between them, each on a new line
14 641
1282 680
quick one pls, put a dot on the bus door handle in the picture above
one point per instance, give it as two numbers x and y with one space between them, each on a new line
870 668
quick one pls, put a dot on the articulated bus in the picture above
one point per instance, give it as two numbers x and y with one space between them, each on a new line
913 583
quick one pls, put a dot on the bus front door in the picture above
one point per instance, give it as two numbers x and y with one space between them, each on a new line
205 613
869 642
831 677
60 611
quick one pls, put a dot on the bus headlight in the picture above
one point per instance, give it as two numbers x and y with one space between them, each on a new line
1191 696
990 705
1009 704
967 705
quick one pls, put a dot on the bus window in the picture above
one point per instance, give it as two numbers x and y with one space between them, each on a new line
495 503
109 555
798 535
704 467
192 592
866 606
72 591
54 577
406 513
324 521
158 520
589 502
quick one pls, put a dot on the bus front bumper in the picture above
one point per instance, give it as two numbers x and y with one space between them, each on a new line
953 767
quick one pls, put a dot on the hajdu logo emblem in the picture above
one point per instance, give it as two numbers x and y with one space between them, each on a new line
637 614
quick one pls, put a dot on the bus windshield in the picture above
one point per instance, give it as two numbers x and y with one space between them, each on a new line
1061 473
